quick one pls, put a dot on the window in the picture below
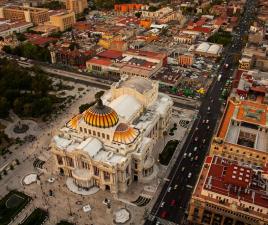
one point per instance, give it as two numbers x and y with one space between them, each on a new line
59 159
85 130
81 129
108 136
106 175
96 171
98 134
69 161
103 135
94 132
89 131
85 165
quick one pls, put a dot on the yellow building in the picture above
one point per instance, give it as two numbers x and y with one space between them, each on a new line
243 133
76 6
27 14
245 63
63 20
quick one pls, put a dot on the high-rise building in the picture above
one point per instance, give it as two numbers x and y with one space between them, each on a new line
63 20
26 14
76 6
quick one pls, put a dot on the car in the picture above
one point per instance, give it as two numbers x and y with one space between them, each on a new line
169 189
162 204
196 158
182 169
208 127
195 149
196 139
207 121
173 202
190 154
189 175
158 223
163 214
203 121
192 159
175 187
209 108
204 141
184 155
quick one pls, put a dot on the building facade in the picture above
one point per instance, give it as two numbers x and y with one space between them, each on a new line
243 133
76 6
229 193
26 14
63 21
110 145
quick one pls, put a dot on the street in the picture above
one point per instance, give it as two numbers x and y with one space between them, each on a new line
172 203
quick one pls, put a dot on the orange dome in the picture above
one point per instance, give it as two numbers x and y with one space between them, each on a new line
74 121
125 134
100 116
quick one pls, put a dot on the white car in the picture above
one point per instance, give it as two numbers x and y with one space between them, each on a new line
162 204
190 154
169 189
189 175
195 149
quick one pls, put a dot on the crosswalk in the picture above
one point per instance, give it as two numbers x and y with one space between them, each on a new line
142 201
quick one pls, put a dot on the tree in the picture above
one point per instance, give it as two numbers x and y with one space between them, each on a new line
4 107
84 107
18 106
20 36
138 14
7 49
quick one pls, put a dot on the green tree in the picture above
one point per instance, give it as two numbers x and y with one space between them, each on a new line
20 36
138 14
18 106
27 109
7 49
84 107
4 107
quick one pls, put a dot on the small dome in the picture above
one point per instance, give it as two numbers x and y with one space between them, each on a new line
125 134
74 121
100 116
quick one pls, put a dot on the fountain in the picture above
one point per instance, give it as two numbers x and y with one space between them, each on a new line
20 128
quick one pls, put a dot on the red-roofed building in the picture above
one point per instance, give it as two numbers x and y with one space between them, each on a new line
229 193
110 54
39 40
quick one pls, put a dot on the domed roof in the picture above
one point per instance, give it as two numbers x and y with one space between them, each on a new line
100 115
125 134
74 121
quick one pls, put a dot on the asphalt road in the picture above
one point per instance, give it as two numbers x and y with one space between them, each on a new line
172 203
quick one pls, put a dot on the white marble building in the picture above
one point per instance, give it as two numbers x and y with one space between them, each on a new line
110 145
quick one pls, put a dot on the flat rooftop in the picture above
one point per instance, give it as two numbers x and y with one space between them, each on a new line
241 183
250 116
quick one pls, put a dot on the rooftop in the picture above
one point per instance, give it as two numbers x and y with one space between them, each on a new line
227 178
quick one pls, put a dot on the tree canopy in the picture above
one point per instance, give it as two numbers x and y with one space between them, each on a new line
23 91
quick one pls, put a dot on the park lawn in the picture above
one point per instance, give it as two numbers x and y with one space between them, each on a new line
37 217
167 153
16 202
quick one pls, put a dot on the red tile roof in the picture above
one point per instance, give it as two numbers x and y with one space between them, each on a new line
227 178
102 62
110 54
